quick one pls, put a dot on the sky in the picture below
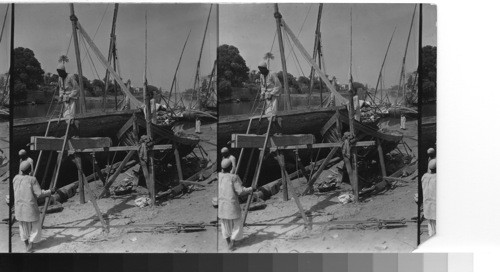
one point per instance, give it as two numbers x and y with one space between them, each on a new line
5 42
252 27
46 29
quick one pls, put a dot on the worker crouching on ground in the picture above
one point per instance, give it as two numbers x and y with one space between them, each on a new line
225 155
429 197
68 95
26 193
23 156
229 210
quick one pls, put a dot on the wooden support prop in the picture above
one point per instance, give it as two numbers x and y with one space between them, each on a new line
332 121
55 144
178 163
92 197
257 141
151 180
381 159
77 160
286 180
117 172
259 166
125 127
53 183
309 188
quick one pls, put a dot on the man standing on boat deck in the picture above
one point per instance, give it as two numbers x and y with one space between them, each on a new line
429 197
68 95
270 87
229 210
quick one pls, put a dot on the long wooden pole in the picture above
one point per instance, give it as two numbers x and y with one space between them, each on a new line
315 51
74 22
339 99
422 164
177 68
402 75
197 75
277 15
150 153
354 176
382 67
259 166
112 41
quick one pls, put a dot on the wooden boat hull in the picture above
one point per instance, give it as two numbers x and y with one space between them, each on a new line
95 124
298 122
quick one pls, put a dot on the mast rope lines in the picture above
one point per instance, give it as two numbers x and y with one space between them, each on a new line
336 98
134 102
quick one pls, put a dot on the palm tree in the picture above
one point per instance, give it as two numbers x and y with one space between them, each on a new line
63 59
268 56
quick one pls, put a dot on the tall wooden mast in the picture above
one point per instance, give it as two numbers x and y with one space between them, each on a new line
111 52
74 21
315 52
197 75
278 17
402 76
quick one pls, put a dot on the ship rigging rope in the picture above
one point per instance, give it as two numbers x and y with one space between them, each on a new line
296 59
99 26
301 27
91 62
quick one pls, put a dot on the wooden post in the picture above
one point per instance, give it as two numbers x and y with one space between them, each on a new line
78 60
354 160
279 157
147 102
178 162
277 15
381 159
153 110
81 178
315 51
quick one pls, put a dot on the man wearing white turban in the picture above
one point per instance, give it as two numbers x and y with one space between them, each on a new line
229 210
68 94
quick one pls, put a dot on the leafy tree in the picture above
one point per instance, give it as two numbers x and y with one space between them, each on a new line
27 70
292 82
63 59
231 66
223 88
